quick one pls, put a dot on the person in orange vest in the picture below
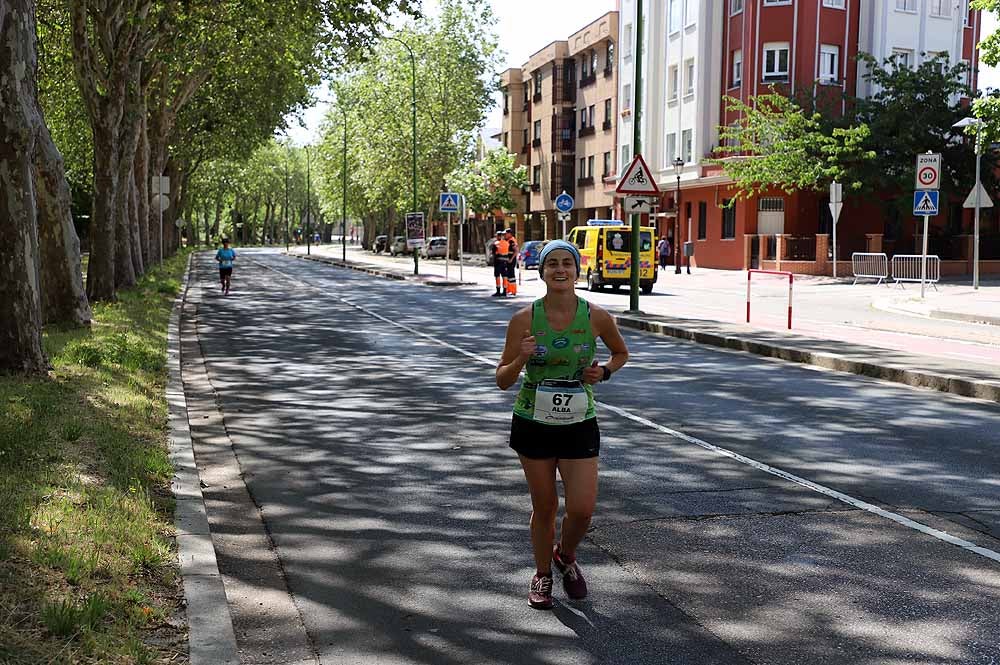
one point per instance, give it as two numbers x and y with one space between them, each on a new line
501 261
510 286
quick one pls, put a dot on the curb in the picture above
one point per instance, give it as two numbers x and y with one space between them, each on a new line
957 385
211 639
965 318
375 271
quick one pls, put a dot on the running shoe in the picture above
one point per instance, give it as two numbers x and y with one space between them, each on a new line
573 582
540 595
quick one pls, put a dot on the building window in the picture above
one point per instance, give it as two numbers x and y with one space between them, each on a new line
607 111
590 166
702 220
506 140
687 144
538 83
592 115
689 76
593 61
583 167
834 4
728 219
538 130
903 58
506 102
940 59
829 63
736 77
735 7
776 61
626 157
771 204
536 174
906 5
671 147
583 118
675 15
627 41
607 165
524 136
690 13
672 83
610 54
941 8
964 79
627 97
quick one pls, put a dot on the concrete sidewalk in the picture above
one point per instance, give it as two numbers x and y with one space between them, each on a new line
869 330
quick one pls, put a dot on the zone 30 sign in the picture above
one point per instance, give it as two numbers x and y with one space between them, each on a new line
928 171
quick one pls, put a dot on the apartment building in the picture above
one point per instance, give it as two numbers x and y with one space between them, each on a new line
558 118
697 52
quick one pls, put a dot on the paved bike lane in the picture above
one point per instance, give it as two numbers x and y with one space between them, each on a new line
378 461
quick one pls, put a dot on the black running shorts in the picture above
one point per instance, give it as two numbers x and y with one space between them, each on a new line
537 441
225 272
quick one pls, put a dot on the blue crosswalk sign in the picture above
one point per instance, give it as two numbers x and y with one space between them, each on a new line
925 202
449 202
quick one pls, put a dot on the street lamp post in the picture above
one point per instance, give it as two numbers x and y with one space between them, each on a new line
678 168
308 209
978 124
343 222
413 107
285 211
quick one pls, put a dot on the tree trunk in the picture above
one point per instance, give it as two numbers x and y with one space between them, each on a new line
20 292
133 225
101 266
141 173
63 297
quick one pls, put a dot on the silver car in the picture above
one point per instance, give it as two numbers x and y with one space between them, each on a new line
436 246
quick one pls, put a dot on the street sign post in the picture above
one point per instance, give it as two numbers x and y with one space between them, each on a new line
928 171
564 203
161 188
925 204
414 230
836 205
448 204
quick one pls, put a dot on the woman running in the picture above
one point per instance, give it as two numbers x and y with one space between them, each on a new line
555 423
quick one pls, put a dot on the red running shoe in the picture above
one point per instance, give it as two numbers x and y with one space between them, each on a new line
540 595
573 582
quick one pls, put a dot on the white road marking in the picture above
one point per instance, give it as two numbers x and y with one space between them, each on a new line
774 471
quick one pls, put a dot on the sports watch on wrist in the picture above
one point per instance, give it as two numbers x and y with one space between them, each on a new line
607 373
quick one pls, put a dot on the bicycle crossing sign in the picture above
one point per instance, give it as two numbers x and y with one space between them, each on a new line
449 202
637 180
925 202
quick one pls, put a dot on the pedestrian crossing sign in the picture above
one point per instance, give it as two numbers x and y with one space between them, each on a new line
925 202
449 202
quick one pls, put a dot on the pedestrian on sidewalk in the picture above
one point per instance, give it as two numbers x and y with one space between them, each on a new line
511 282
225 258
554 426
663 247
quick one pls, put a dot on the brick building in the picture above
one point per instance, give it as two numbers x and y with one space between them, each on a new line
559 112
696 52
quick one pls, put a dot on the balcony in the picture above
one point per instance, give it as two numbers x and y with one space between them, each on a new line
586 131
589 180
537 143
537 98
607 125
588 79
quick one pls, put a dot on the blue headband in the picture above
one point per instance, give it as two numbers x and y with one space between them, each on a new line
560 244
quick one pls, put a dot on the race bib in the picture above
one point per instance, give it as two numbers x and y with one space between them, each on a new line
560 402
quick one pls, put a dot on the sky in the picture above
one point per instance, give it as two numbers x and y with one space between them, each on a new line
526 26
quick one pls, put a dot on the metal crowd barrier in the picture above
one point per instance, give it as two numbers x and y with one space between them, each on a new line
906 268
871 266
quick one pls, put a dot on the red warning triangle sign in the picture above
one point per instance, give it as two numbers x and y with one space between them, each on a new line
637 179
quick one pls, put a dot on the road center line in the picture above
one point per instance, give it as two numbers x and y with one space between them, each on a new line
774 471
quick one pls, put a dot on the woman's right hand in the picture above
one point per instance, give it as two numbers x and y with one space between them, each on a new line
528 346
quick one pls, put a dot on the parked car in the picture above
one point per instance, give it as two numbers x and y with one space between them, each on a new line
528 256
398 246
380 242
435 246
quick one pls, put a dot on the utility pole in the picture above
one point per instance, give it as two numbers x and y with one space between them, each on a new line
343 223
308 209
285 210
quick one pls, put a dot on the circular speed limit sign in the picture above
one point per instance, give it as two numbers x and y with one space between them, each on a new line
927 176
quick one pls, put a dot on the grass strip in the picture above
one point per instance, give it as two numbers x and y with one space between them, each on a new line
88 569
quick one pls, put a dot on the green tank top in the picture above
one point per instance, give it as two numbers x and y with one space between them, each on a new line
560 354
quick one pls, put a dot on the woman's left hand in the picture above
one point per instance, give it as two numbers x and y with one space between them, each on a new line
593 374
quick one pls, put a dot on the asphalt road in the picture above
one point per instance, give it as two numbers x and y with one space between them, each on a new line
372 441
